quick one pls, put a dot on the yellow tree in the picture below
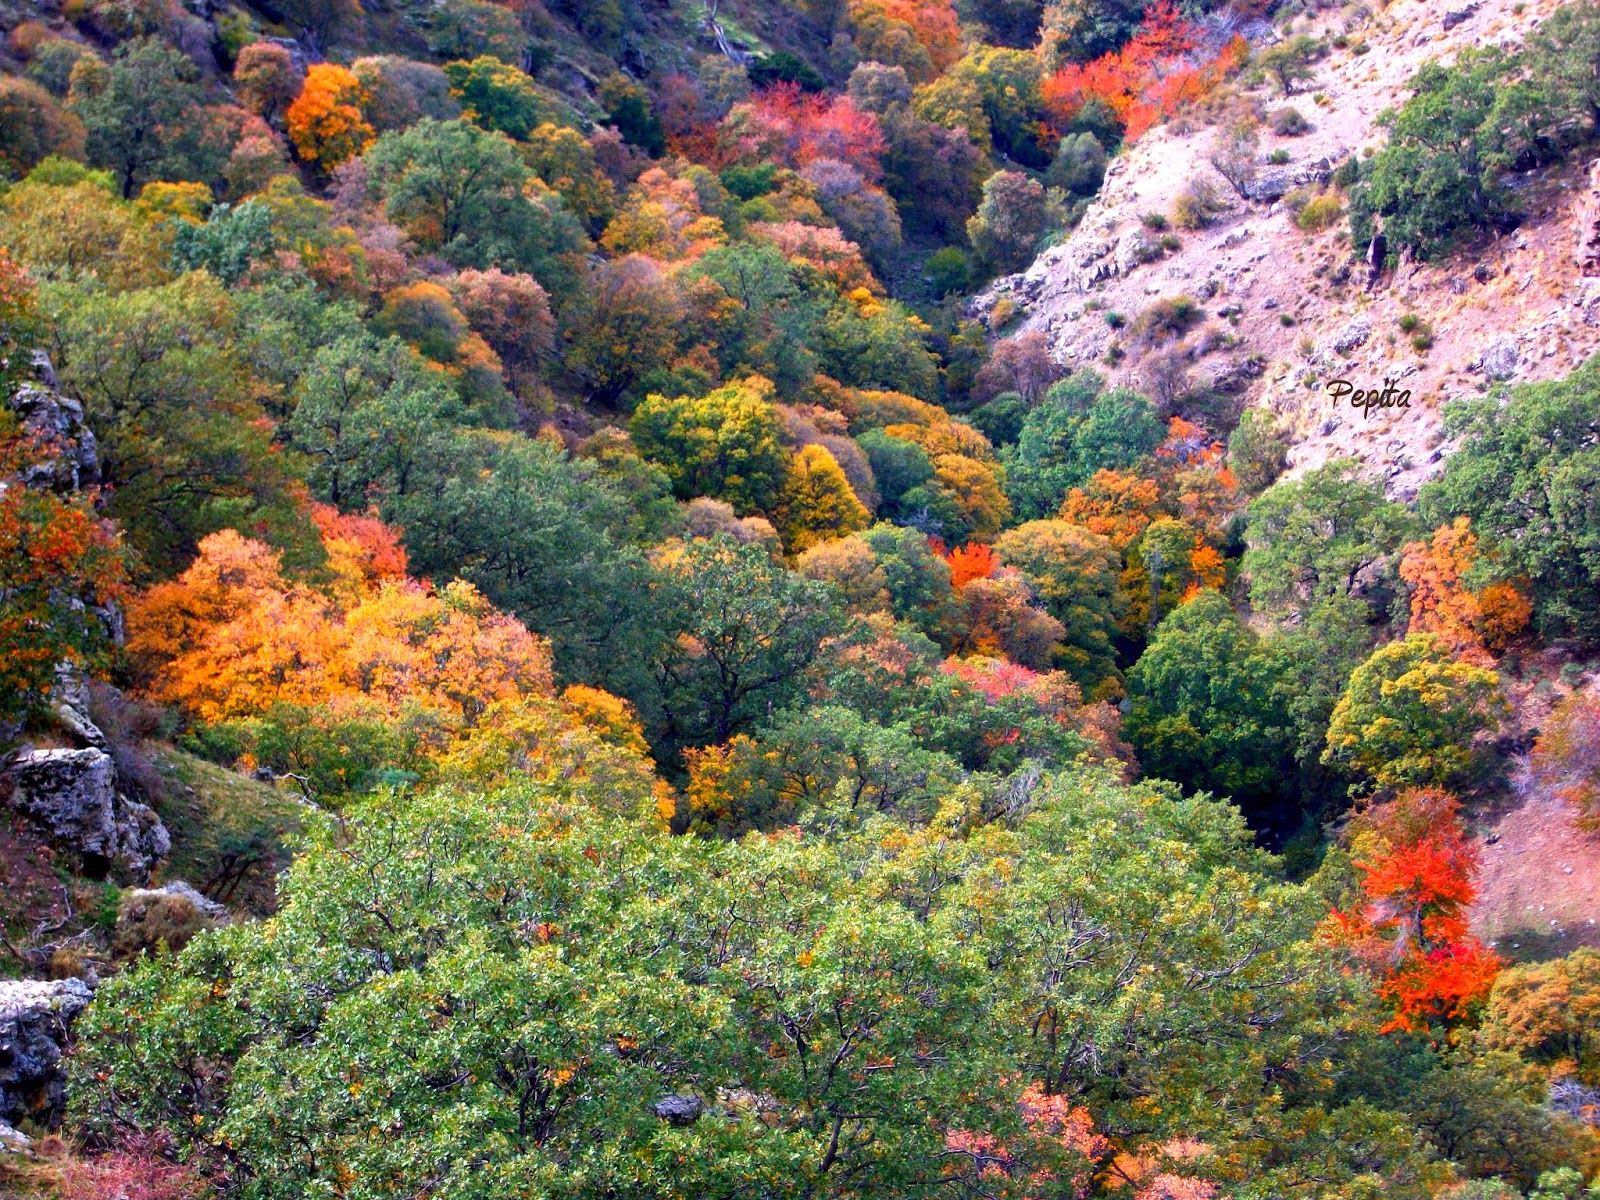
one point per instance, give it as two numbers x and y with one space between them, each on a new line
816 503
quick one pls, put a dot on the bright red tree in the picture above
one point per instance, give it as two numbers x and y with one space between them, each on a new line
1416 863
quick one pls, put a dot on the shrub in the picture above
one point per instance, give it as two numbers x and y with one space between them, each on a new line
1319 213
1288 122
1197 205
1169 317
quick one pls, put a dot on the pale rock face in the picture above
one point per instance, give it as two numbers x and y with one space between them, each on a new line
35 1021
73 795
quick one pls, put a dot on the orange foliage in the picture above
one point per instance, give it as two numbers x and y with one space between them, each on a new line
975 560
325 122
1117 505
1416 863
1143 83
932 22
53 553
786 125
1442 604
1566 758
1056 1155
231 636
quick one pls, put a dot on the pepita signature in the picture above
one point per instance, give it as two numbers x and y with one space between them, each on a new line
1389 396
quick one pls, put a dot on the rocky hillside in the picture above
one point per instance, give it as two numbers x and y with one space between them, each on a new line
1287 311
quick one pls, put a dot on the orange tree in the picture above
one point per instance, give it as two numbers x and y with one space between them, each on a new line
1415 861
55 555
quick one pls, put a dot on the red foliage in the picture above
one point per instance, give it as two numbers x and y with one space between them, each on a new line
1145 81
785 123
1416 863
975 560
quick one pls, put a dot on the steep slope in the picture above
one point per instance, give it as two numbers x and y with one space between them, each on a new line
1287 311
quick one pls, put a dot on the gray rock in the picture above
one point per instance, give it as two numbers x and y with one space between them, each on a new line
1501 360
1459 16
1351 335
72 460
1586 233
35 1021
73 794
209 910
1272 183
1134 249
679 1110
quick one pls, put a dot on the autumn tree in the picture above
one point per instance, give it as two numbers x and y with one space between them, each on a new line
265 79
34 126
624 322
58 559
566 162
816 503
1410 716
1415 863
724 445
512 313
325 121
1566 756
1076 574
1443 601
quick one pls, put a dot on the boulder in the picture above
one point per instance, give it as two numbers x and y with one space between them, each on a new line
1501 360
1587 226
679 1110
72 460
206 908
1351 335
1271 183
35 1021
73 794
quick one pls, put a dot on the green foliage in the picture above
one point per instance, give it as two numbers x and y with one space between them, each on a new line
1327 535
1012 220
724 445
1464 126
166 389
753 629
1206 711
1077 430
464 193
136 110
498 97
629 110
229 241
1257 450
1409 717
1526 473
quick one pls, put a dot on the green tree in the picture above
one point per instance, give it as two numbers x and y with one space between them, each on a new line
753 630
1206 708
167 391
1326 535
134 110
498 97
1077 430
464 193
1527 472
1409 717
916 579
628 108
1076 574
724 445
